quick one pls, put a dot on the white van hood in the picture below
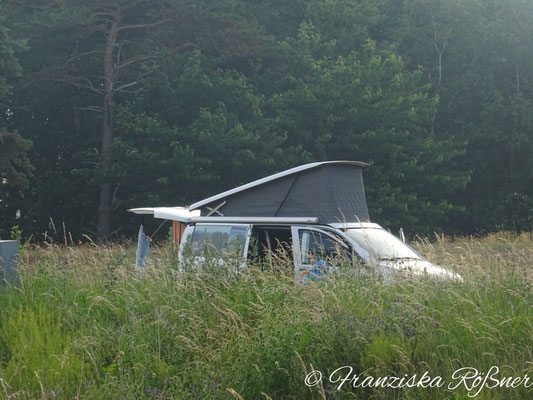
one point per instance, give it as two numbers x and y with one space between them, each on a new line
419 268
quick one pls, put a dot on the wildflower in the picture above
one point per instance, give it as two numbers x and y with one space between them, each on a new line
410 332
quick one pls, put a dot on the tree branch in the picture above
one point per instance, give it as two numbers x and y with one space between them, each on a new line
72 81
133 60
97 28
91 108
77 56
127 85
184 46
143 26
102 13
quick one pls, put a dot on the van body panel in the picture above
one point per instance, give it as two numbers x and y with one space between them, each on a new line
311 248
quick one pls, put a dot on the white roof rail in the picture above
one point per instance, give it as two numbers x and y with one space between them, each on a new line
256 220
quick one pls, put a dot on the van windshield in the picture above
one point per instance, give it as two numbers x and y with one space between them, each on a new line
216 240
381 244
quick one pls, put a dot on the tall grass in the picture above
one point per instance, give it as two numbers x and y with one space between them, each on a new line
85 323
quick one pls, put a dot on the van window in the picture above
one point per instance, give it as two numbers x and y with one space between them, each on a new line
315 246
216 240
271 244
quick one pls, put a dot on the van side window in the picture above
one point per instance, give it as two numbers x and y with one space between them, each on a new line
218 239
315 246
270 241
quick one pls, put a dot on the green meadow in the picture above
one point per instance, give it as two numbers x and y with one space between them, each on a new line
84 323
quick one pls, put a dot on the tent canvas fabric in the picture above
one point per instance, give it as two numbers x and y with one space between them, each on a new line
330 191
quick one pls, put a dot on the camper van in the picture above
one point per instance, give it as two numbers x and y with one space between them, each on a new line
315 215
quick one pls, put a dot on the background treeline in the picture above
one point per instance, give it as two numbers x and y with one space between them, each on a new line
108 105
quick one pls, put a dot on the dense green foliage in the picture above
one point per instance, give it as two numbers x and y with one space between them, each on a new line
84 324
15 166
153 103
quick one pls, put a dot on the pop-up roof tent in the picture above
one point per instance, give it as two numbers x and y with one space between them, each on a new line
330 191
320 192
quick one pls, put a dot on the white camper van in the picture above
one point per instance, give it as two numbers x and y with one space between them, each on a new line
314 214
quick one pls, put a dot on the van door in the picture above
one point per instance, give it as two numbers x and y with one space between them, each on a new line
314 249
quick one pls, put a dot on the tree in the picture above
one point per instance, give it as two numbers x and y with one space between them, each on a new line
368 106
106 57
475 53
213 123
165 102
114 20
15 167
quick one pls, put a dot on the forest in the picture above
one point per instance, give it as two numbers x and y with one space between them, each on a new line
109 105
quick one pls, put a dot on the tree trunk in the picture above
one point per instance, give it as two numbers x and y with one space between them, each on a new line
108 131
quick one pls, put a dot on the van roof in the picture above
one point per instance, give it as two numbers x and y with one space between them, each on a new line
271 178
